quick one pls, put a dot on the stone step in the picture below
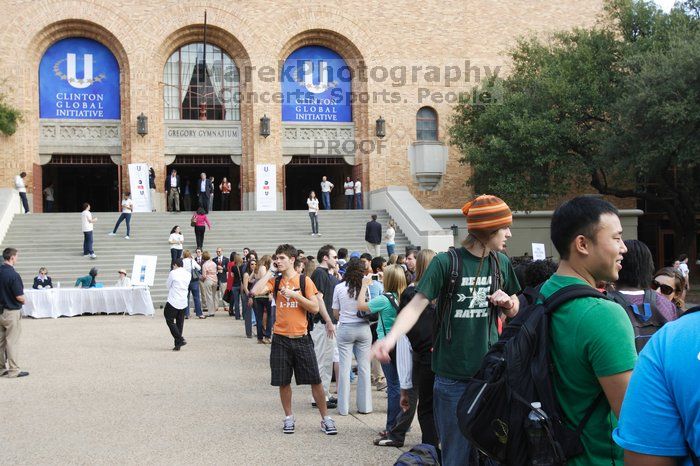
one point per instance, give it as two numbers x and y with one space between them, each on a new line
55 240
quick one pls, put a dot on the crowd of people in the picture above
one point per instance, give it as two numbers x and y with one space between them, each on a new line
429 319
183 192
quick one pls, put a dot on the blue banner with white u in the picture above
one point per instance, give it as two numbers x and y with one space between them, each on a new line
316 86
79 79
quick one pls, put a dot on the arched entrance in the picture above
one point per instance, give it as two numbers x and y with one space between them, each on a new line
76 179
190 167
304 174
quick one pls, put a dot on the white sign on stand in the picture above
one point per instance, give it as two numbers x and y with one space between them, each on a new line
266 187
144 271
538 252
140 192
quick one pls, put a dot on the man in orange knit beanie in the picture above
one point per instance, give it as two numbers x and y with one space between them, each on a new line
467 325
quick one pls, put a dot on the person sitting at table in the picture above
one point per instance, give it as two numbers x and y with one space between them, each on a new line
88 281
42 281
124 281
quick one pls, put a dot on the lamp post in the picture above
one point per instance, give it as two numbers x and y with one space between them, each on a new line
264 126
381 127
142 125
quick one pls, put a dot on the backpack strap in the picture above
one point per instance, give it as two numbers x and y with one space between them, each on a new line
392 300
691 310
278 279
589 412
445 299
495 286
568 293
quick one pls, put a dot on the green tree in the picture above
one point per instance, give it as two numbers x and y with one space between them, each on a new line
9 117
616 108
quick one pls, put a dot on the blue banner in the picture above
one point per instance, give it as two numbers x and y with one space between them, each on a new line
316 86
79 79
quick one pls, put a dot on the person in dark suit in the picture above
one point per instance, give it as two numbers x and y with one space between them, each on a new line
205 188
42 281
172 187
221 262
373 236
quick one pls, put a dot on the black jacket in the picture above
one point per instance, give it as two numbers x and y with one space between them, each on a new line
224 263
167 182
373 232
43 283
208 186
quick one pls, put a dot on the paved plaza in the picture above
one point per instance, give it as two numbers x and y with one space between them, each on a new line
109 390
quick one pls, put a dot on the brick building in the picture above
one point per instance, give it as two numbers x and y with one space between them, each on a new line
83 71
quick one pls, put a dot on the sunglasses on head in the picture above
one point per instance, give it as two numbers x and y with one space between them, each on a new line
665 289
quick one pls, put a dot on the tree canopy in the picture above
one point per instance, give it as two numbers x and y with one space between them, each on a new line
615 107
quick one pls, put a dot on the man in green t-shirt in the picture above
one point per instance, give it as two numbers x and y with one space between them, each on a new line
468 327
592 341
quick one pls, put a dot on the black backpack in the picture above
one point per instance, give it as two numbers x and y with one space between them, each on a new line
444 306
645 321
302 289
517 371
422 454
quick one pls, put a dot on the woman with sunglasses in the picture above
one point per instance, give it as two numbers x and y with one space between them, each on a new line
636 277
669 282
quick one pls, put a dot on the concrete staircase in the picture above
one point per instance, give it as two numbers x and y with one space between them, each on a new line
55 240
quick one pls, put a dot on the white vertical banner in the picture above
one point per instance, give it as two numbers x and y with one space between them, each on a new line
140 192
266 187
144 270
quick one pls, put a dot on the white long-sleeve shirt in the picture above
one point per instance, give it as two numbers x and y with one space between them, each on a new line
404 363
178 283
19 184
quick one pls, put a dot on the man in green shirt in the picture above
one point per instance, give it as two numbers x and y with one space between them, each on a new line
592 341
467 330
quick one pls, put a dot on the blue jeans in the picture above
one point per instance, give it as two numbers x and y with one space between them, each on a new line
326 197
314 222
234 306
358 200
194 289
87 243
247 316
393 391
446 395
261 306
122 217
174 254
349 201
25 202
390 248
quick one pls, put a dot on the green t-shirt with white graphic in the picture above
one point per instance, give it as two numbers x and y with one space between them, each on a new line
469 314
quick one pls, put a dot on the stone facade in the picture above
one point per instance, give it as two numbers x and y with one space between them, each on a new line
375 38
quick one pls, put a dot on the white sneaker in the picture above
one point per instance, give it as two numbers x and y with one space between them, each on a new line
126 237
111 234
93 256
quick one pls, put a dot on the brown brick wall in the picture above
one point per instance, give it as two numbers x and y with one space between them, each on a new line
381 34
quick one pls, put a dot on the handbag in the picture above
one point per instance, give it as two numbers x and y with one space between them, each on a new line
227 296
195 274
193 222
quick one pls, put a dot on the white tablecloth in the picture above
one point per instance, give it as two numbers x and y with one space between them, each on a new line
70 302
